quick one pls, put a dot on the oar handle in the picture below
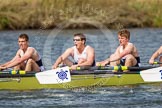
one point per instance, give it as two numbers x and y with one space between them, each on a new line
13 72
18 72
157 63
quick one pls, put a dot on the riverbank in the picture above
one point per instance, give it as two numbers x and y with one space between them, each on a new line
46 14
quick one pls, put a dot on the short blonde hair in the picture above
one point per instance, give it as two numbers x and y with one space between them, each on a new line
124 33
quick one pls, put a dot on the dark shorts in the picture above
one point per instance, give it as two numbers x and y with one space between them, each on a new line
122 61
40 64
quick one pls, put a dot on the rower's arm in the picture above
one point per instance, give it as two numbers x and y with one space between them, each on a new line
62 57
116 55
19 60
127 50
14 58
90 58
119 55
156 54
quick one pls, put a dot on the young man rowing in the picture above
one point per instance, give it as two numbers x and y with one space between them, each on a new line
83 55
26 58
126 54
156 55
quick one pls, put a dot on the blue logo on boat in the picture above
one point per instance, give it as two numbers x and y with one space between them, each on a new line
62 74
161 73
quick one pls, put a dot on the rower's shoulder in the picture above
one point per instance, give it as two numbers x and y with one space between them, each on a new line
89 47
161 47
31 49
19 51
132 45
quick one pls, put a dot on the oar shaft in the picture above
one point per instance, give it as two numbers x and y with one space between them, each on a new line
140 68
117 68
97 72
13 73
20 72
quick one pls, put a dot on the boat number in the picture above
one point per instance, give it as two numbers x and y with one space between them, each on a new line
161 73
62 74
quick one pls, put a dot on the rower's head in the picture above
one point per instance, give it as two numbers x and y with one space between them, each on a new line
23 41
124 33
24 36
123 37
79 37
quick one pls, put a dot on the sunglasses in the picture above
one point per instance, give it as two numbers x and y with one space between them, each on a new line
76 39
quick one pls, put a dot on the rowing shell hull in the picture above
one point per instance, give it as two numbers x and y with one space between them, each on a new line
28 83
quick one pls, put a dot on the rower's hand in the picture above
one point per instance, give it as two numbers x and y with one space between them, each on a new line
81 60
151 61
104 63
54 67
73 67
2 68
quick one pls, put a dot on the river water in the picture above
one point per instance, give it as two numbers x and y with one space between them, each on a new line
51 43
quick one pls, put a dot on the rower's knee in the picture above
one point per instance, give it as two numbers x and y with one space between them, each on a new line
17 67
113 63
30 61
130 61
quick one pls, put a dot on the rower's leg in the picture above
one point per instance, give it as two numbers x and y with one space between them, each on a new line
130 60
21 66
31 65
115 63
68 62
17 67
103 63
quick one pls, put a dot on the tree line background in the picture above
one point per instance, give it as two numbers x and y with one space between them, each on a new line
47 14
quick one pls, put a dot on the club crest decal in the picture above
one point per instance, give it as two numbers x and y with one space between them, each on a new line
62 74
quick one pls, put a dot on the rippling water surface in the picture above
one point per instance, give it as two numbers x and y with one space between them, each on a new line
123 97
51 43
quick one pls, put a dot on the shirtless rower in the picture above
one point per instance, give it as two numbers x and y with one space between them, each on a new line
155 55
126 54
26 58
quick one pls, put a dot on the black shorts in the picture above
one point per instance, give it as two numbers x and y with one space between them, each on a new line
122 61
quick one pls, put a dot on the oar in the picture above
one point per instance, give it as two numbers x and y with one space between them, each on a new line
157 63
97 72
62 75
152 75
154 63
116 68
13 72
16 73
54 76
